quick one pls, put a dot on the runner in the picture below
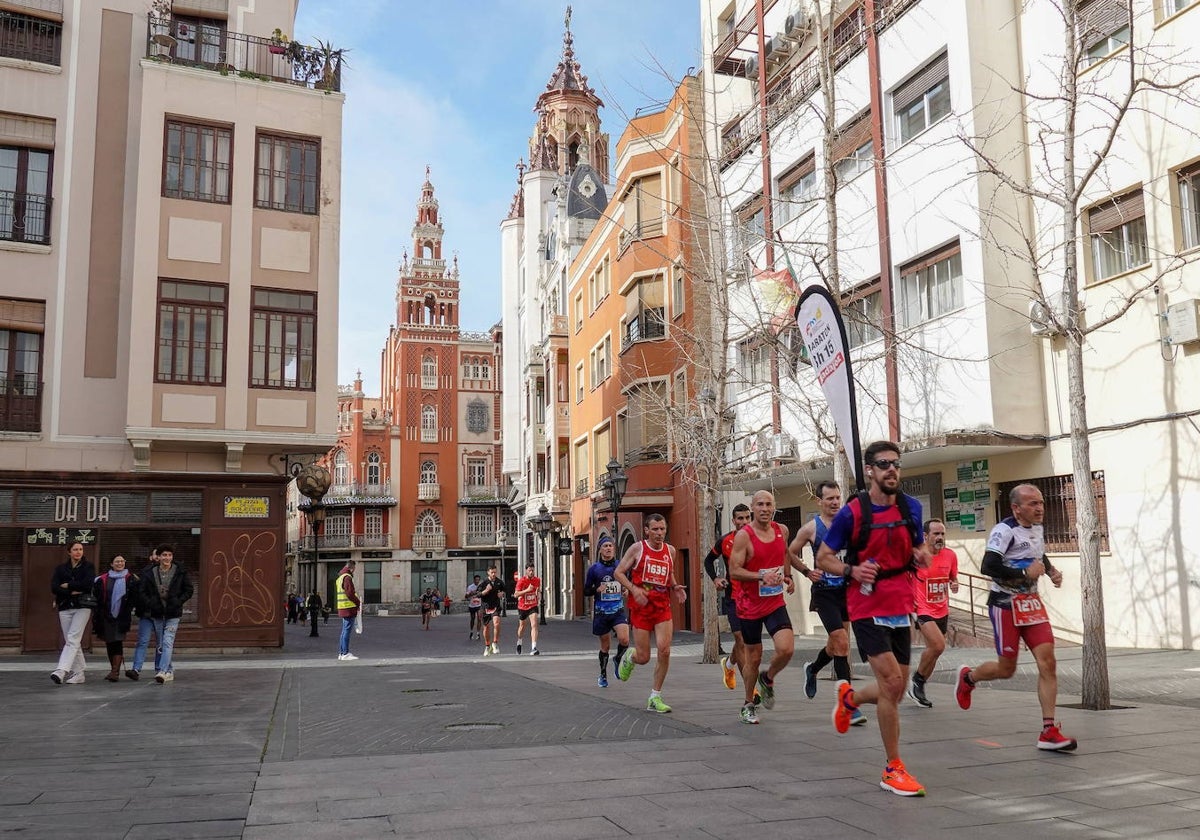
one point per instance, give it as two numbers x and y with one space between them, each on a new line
608 610
880 529
759 568
716 566
1015 558
931 591
427 599
527 592
491 594
473 604
647 571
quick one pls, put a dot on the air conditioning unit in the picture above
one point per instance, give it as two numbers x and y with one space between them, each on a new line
783 448
782 47
1041 320
769 46
751 68
797 26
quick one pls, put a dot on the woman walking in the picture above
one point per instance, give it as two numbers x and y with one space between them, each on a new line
114 593
71 582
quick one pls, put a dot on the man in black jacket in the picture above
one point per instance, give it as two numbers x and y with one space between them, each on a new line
165 589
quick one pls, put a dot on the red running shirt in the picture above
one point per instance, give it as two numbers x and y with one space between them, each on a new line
756 599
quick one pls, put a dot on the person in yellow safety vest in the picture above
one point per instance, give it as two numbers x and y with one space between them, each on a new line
347 607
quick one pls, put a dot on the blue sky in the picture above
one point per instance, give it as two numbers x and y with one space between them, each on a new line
452 84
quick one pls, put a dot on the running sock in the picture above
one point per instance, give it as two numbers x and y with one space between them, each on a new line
823 659
621 652
1047 723
603 663
654 692
841 667
967 679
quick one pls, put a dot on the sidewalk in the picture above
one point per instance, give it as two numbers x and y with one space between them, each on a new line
414 742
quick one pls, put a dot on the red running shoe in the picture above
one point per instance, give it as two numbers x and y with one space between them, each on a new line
963 689
1053 739
843 709
896 779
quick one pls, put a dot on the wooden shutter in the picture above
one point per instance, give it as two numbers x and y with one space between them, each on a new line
23 315
1100 18
928 76
852 135
1110 215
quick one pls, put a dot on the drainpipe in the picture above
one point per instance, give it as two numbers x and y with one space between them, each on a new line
764 138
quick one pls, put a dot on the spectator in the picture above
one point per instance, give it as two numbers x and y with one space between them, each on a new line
115 592
70 581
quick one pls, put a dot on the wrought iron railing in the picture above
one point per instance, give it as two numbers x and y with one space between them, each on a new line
20 405
29 38
642 229
25 217
309 542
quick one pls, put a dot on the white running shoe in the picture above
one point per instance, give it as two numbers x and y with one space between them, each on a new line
75 678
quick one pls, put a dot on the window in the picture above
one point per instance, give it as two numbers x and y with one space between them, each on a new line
372 582
29 38
428 371
853 150
198 40
643 203
481 524
1117 229
477 472
341 468
287 174
1058 527
1174 7
197 162
191 333
337 525
922 100
678 302
862 310
599 284
601 452
428 472
578 312
21 326
601 361
931 286
428 424
645 311
477 417
284 339
751 223
25 176
579 384
429 523
796 187
485 368
582 465
646 423
1189 205
374 473
1103 29
754 361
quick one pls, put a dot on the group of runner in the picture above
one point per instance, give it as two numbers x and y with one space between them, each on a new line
876 565
485 603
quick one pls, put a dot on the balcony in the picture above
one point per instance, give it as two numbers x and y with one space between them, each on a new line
558 325
425 265
20 405
24 217
429 382
429 492
482 494
642 229
581 487
539 436
247 56
653 454
28 38
428 541
358 489
471 539
330 541
429 435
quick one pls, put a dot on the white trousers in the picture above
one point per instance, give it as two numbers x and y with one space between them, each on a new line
74 624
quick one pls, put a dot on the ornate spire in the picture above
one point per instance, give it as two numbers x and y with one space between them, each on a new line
568 76
517 209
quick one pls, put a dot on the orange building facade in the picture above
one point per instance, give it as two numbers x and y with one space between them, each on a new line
631 330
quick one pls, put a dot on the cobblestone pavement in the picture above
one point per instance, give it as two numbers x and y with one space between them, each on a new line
296 744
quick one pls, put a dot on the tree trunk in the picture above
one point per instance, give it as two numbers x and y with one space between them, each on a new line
709 609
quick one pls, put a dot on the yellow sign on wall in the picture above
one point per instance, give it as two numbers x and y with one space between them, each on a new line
247 507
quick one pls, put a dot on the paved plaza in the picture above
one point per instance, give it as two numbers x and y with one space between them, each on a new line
424 738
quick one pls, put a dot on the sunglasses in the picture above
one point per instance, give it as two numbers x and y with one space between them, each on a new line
885 463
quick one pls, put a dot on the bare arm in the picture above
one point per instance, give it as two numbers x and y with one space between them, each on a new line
630 557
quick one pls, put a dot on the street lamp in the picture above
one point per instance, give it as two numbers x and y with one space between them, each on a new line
543 524
614 488
316 523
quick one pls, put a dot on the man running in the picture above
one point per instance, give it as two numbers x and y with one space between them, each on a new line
759 568
473 604
931 592
528 589
827 596
647 571
716 566
491 594
882 540
608 610
427 599
1014 559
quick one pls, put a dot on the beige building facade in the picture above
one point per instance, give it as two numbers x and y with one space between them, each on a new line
169 218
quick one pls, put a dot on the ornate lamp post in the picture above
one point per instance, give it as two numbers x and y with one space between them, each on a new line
543 524
614 488
313 482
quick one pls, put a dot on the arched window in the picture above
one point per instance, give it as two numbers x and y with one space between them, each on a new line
428 472
428 522
428 424
428 371
373 469
485 369
341 468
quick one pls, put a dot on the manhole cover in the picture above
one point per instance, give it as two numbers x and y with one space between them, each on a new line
473 727
419 690
443 706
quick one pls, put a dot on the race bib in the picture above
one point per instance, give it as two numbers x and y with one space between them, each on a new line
656 573
490 611
892 621
1028 610
937 590
766 591
609 597
475 603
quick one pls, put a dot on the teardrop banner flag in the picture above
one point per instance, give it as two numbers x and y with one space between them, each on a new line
824 334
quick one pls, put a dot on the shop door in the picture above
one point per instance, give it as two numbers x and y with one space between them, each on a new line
41 631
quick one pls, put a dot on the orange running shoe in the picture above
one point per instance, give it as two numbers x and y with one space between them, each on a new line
728 673
898 781
843 709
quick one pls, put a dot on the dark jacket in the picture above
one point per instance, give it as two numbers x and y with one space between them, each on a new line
104 624
139 608
179 593
78 579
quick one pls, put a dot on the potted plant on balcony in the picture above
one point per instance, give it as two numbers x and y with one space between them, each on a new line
279 42
160 28
328 62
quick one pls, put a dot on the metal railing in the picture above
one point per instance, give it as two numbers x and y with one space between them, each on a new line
29 38
20 405
25 217
581 487
248 56
358 489
473 539
642 229
309 542
482 494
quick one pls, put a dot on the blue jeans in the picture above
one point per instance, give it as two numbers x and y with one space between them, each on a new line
344 641
145 628
165 629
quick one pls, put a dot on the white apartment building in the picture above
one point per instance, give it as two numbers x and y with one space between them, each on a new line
974 389
170 182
